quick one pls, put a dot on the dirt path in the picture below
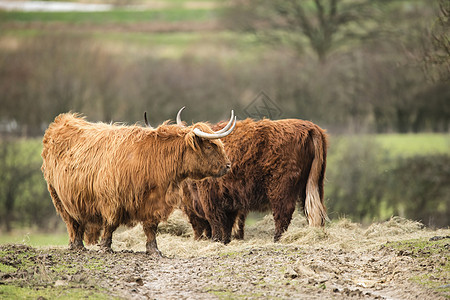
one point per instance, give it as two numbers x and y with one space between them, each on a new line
404 268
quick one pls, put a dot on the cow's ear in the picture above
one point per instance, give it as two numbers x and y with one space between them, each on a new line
192 141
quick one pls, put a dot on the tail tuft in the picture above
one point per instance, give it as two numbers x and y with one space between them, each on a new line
315 210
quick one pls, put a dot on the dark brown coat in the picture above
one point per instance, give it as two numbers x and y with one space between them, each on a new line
274 164
108 175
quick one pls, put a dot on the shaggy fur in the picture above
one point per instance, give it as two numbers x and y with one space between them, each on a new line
274 163
101 175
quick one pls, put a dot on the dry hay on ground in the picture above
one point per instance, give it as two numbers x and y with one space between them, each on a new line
175 238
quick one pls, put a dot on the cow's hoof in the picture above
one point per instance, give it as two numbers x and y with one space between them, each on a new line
77 247
105 250
154 252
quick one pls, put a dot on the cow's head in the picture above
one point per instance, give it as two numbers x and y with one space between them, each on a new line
205 155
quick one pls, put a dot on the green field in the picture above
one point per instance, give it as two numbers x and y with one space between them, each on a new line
35 239
135 33
414 144
114 16
397 145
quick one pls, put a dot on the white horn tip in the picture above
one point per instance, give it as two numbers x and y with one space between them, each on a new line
179 122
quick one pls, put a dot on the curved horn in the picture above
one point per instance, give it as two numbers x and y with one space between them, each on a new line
211 136
146 121
179 122
228 125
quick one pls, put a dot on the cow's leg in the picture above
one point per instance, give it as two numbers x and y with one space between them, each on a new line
242 215
201 228
150 231
216 231
74 229
221 226
208 231
282 209
76 232
227 226
199 225
106 240
217 223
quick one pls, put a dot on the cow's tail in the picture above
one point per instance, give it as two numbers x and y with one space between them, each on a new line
315 210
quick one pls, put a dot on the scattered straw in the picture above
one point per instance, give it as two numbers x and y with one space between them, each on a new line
175 237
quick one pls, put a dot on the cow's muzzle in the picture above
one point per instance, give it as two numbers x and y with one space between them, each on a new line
224 170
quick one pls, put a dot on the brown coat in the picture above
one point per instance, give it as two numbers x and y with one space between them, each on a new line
110 175
274 164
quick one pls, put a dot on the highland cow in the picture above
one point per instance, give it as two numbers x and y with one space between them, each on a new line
273 165
102 175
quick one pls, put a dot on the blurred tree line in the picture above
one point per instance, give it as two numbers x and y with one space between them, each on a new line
366 182
24 199
351 66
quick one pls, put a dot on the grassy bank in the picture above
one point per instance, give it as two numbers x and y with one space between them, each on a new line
395 144
35 238
414 144
118 16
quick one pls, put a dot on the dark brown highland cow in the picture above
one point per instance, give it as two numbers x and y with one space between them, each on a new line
274 164
103 176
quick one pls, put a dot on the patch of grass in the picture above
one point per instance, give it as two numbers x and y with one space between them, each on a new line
225 46
432 255
35 239
7 268
402 145
428 280
422 248
414 144
179 39
17 292
65 268
95 264
32 274
20 260
113 16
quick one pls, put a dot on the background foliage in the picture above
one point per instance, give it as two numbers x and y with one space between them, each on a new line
371 179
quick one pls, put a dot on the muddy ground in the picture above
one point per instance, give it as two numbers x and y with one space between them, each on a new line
398 259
